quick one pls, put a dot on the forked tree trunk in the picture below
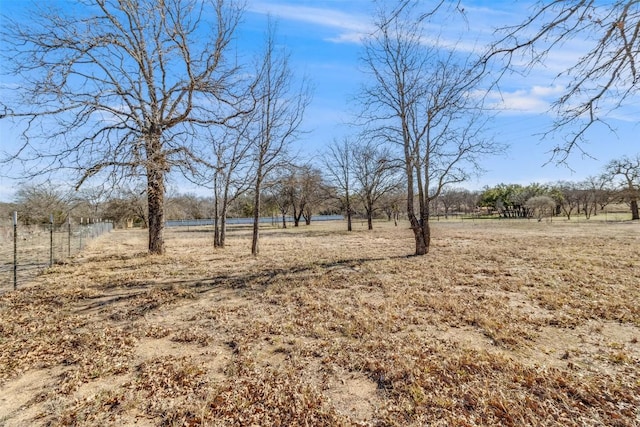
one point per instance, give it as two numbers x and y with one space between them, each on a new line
296 218
422 234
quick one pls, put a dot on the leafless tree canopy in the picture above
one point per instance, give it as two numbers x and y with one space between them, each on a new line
338 166
233 170
376 174
121 87
602 80
422 99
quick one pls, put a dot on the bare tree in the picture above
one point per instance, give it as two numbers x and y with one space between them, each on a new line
541 206
422 98
377 175
233 172
292 188
89 202
127 206
601 81
277 118
452 199
392 203
567 196
338 164
300 188
37 202
278 195
628 169
600 188
122 88
186 206
313 190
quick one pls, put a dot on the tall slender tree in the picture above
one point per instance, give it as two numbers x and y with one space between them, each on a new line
277 117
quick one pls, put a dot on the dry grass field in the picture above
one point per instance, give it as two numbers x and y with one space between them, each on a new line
508 323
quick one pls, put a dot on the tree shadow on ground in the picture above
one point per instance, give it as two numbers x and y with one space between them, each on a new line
241 284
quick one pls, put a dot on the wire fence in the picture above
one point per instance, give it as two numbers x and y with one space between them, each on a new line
27 250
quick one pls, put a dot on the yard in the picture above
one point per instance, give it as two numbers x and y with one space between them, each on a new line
504 322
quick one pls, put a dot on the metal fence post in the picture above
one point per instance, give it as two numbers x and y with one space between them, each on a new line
51 240
15 250
69 227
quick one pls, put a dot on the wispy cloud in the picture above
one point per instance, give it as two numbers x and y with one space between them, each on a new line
351 27
532 100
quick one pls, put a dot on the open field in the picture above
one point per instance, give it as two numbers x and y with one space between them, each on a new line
504 323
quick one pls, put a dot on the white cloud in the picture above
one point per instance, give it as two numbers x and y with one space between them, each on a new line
353 37
532 100
352 26
546 91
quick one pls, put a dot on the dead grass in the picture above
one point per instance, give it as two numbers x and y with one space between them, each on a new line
504 323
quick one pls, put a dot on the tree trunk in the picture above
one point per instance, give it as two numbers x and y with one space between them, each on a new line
369 220
284 221
635 215
307 214
216 231
223 224
296 217
256 216
349 228
155 200
216 221
223 212
422 234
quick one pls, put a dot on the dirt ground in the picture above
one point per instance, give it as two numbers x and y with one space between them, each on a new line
506 322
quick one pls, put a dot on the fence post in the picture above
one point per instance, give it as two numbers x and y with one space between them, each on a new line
15 250
51 240
69 228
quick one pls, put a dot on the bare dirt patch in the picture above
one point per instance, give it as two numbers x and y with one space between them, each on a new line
504 322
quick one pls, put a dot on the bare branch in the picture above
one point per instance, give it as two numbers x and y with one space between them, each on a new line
601 81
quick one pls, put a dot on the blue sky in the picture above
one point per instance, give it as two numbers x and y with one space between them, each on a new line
324 39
